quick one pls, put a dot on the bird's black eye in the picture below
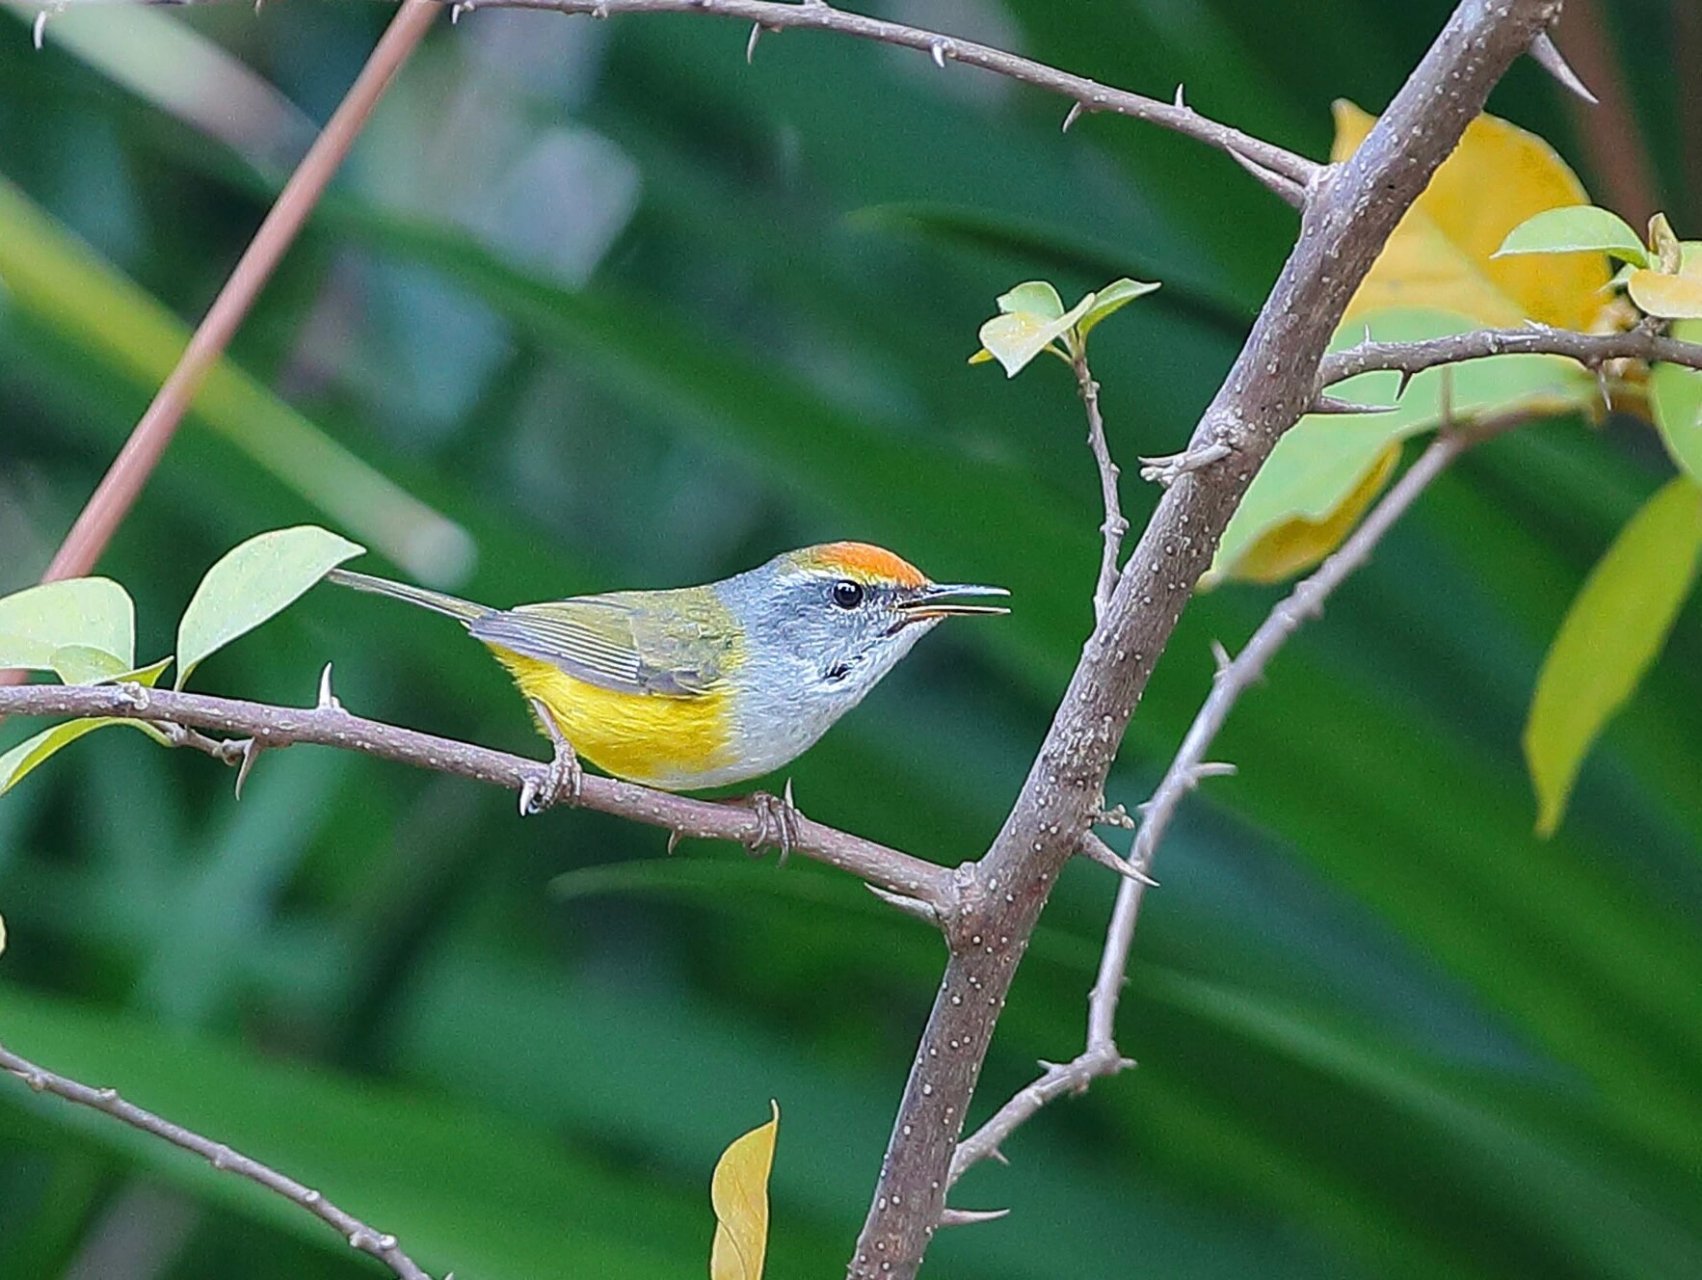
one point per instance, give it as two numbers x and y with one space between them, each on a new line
847 594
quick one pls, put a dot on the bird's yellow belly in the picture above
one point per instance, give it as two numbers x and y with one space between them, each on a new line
671 742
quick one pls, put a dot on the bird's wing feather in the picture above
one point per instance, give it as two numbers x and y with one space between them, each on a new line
627 642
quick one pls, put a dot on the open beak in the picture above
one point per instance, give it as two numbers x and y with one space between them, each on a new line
937 600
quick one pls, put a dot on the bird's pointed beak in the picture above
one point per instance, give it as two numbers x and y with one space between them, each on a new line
940 600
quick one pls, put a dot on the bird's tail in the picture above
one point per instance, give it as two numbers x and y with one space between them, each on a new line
463 611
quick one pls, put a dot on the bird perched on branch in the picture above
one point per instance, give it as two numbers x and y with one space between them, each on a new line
702 686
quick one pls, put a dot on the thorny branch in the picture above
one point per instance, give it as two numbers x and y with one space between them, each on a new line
360 1236
1295 172
1350 213
1591 350
1190 767
267 727
1288 174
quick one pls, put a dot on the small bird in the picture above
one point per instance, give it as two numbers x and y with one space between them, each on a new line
704 686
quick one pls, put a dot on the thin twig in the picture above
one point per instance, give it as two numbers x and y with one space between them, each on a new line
1591 350
1114 526
129 472
360 1236
1190 766
331 726
1056 1079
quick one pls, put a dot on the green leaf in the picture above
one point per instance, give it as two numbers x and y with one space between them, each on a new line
148 675
72 660
22 759
1610 636
93 613
1293 513
1113 298
253 582
1576 229
1675 394
1018 336
1033 297
85 664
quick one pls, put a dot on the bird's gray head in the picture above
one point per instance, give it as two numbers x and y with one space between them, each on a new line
829 621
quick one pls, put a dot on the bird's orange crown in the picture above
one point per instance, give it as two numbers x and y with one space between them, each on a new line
863 563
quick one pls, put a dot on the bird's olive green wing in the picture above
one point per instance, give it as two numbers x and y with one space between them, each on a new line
664 642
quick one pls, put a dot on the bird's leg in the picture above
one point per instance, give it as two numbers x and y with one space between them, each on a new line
777 822
566 778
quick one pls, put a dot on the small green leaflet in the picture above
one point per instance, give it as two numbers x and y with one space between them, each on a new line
1032 318
1611 634
91 613
1576 229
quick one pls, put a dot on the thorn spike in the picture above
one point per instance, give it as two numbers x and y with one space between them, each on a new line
750 45
1075 113
969 1217
1285 189
1548 56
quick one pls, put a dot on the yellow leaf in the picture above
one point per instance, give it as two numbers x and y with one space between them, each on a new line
739 1192
1442 253
1298 543
1671 297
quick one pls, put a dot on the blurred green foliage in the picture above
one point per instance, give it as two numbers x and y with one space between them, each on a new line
633 314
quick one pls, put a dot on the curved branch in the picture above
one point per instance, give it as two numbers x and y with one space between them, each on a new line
357 1233
330 726
1089 95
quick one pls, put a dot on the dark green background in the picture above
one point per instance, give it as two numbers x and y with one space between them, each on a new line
1382 1030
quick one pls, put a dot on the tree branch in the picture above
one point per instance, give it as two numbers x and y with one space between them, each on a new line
330 725
1350 214
357 1233
1089 95
1589 349
1189 767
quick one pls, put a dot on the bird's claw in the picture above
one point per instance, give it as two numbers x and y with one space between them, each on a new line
776 822
564 783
